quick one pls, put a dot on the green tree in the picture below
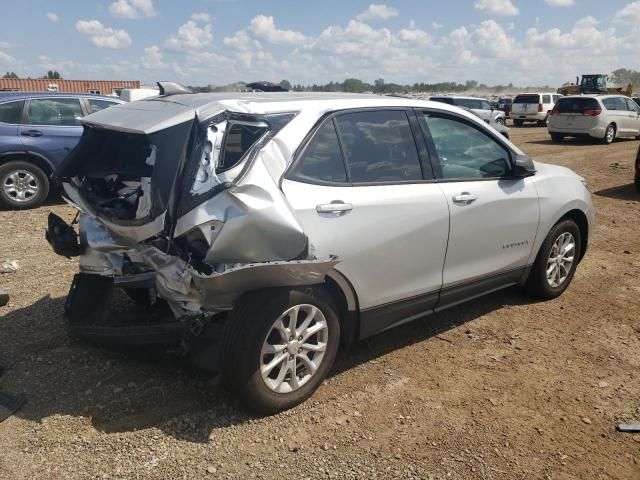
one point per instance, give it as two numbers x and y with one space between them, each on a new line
53 75
10 75
354 85
378 85
285 84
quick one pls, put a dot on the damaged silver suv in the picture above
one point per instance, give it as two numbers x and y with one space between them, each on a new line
270 228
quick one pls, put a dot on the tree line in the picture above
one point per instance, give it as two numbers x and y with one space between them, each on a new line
51 74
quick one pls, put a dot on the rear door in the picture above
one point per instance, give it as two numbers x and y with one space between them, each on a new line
525 104
51 126
10 116
571 114
494 217
363 190
617 113
634 116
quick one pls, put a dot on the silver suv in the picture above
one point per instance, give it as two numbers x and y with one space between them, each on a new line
265 230
480 106
603 117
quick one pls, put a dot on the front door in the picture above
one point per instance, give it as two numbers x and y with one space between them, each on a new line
494 217
51 127
362 191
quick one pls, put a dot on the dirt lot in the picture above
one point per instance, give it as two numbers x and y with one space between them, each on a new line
500 388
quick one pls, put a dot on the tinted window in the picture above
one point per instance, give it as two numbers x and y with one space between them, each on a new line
239 139
97 105
11 112
614 103
55 111
527 99
464 151
546 99
577 105
631 105
379 146
322 158
556 98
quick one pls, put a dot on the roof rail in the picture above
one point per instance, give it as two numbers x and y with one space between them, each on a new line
172 88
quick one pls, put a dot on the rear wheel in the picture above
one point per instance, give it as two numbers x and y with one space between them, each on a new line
609 134
543 123
637 182
23 185
500 120
557 137
556 262
517 123
279 346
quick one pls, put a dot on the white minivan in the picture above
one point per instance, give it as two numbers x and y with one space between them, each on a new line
533 107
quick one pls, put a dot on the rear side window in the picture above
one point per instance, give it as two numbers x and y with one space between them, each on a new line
11 112
379 146
240 138
614 103
577 105
97 105
527 99
55 111
546 99
322 158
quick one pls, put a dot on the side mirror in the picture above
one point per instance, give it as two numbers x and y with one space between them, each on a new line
523 166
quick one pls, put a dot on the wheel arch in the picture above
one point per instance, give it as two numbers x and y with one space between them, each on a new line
38 160
346 300
580 218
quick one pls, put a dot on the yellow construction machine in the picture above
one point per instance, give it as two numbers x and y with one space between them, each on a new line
594 83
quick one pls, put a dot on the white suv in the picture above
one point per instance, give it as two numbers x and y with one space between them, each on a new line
533 107
604 117
480 106
274 227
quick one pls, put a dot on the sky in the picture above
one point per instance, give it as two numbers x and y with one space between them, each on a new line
201 42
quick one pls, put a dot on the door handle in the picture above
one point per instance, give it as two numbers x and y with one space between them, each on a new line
465 198
337 207
32 133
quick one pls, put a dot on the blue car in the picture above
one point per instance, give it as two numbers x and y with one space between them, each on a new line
37 131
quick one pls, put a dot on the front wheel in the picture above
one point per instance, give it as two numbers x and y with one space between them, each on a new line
500 120
556 262
22 185
543 123
557 137
609 134
279 346
517 123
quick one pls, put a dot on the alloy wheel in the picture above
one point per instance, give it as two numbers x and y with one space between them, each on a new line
20 185
561 259
294 348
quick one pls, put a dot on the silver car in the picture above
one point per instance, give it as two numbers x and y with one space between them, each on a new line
480 106
604 117
270 228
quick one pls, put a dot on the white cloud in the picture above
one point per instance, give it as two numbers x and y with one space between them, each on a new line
560 3
152 59
132 8
584 36
53 16
201 17
190 36
264 27
436 25
101 36
5 58
377 12
497 7
629 14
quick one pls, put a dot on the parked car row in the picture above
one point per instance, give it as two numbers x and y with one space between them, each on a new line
37 131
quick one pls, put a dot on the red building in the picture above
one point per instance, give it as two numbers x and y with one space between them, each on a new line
100 87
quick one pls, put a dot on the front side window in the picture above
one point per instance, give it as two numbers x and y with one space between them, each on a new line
96 105
54 111
11 112
464 151
379 146
322 159
631 105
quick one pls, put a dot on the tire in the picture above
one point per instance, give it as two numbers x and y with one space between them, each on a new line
517 123
609 134
636 182
500 120
557 137
538 284
251 327
22 179
543 123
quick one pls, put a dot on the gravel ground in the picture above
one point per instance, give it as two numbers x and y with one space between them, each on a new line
499 388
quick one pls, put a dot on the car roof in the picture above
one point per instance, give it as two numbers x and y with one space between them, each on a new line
157 113
461 97
6 96
596 96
